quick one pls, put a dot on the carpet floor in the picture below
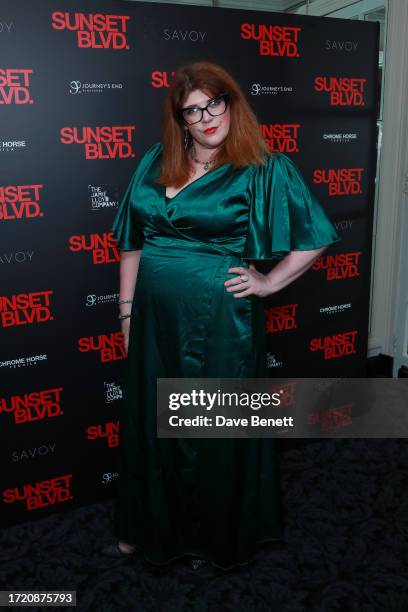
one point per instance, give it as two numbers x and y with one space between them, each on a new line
345 547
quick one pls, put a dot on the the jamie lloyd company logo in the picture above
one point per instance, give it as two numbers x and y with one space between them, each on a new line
257 89
77 87
94 30
111 347
337 137
339 266
161 78
16 257
281 318
340 181
103 196
21 362
25 308
113 391
350 46
40 494
274 40
343 91
102 246
184 35
109 432
337 345
20 202
33 406
26 454
335 309
272 361
9 146
15 86
101 142
281 137
95 300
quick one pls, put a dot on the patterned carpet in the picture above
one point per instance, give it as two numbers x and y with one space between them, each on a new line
345 549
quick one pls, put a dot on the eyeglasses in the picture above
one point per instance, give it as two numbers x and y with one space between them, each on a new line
216 106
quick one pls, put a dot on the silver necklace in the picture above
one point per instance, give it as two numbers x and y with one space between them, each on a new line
205 164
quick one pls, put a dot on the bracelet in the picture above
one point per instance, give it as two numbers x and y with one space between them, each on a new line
125 301
124 316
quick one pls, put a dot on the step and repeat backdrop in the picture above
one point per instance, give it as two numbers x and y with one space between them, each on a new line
81 98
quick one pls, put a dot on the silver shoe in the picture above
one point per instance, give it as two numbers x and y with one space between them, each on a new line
197 563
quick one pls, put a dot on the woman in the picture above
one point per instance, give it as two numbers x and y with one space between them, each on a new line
201 207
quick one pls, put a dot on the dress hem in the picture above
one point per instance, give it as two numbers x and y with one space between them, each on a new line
197 555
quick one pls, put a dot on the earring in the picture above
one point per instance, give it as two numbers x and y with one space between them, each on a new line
186 138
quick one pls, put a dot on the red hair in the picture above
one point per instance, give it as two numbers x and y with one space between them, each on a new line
244 144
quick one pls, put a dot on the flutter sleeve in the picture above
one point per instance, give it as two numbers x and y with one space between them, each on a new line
125 230
284 214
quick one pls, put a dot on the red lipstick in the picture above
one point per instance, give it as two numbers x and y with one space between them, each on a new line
210 130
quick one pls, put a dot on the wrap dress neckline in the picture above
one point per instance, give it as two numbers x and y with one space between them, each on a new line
206 174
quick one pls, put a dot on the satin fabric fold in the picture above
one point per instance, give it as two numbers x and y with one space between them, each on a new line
284 214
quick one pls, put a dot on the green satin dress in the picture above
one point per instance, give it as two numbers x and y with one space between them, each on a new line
211 498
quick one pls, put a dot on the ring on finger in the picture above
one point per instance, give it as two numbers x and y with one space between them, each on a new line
244 277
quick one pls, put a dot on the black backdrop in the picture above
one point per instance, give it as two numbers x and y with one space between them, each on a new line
64 75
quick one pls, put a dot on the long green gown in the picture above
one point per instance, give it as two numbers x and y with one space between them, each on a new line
211 498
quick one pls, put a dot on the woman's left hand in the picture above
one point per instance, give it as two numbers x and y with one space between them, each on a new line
248 282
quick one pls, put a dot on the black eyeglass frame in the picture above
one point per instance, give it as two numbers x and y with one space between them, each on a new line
226 97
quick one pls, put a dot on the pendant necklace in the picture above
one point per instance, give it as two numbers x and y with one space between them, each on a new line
205 164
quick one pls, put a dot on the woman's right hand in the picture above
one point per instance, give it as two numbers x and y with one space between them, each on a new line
125 325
